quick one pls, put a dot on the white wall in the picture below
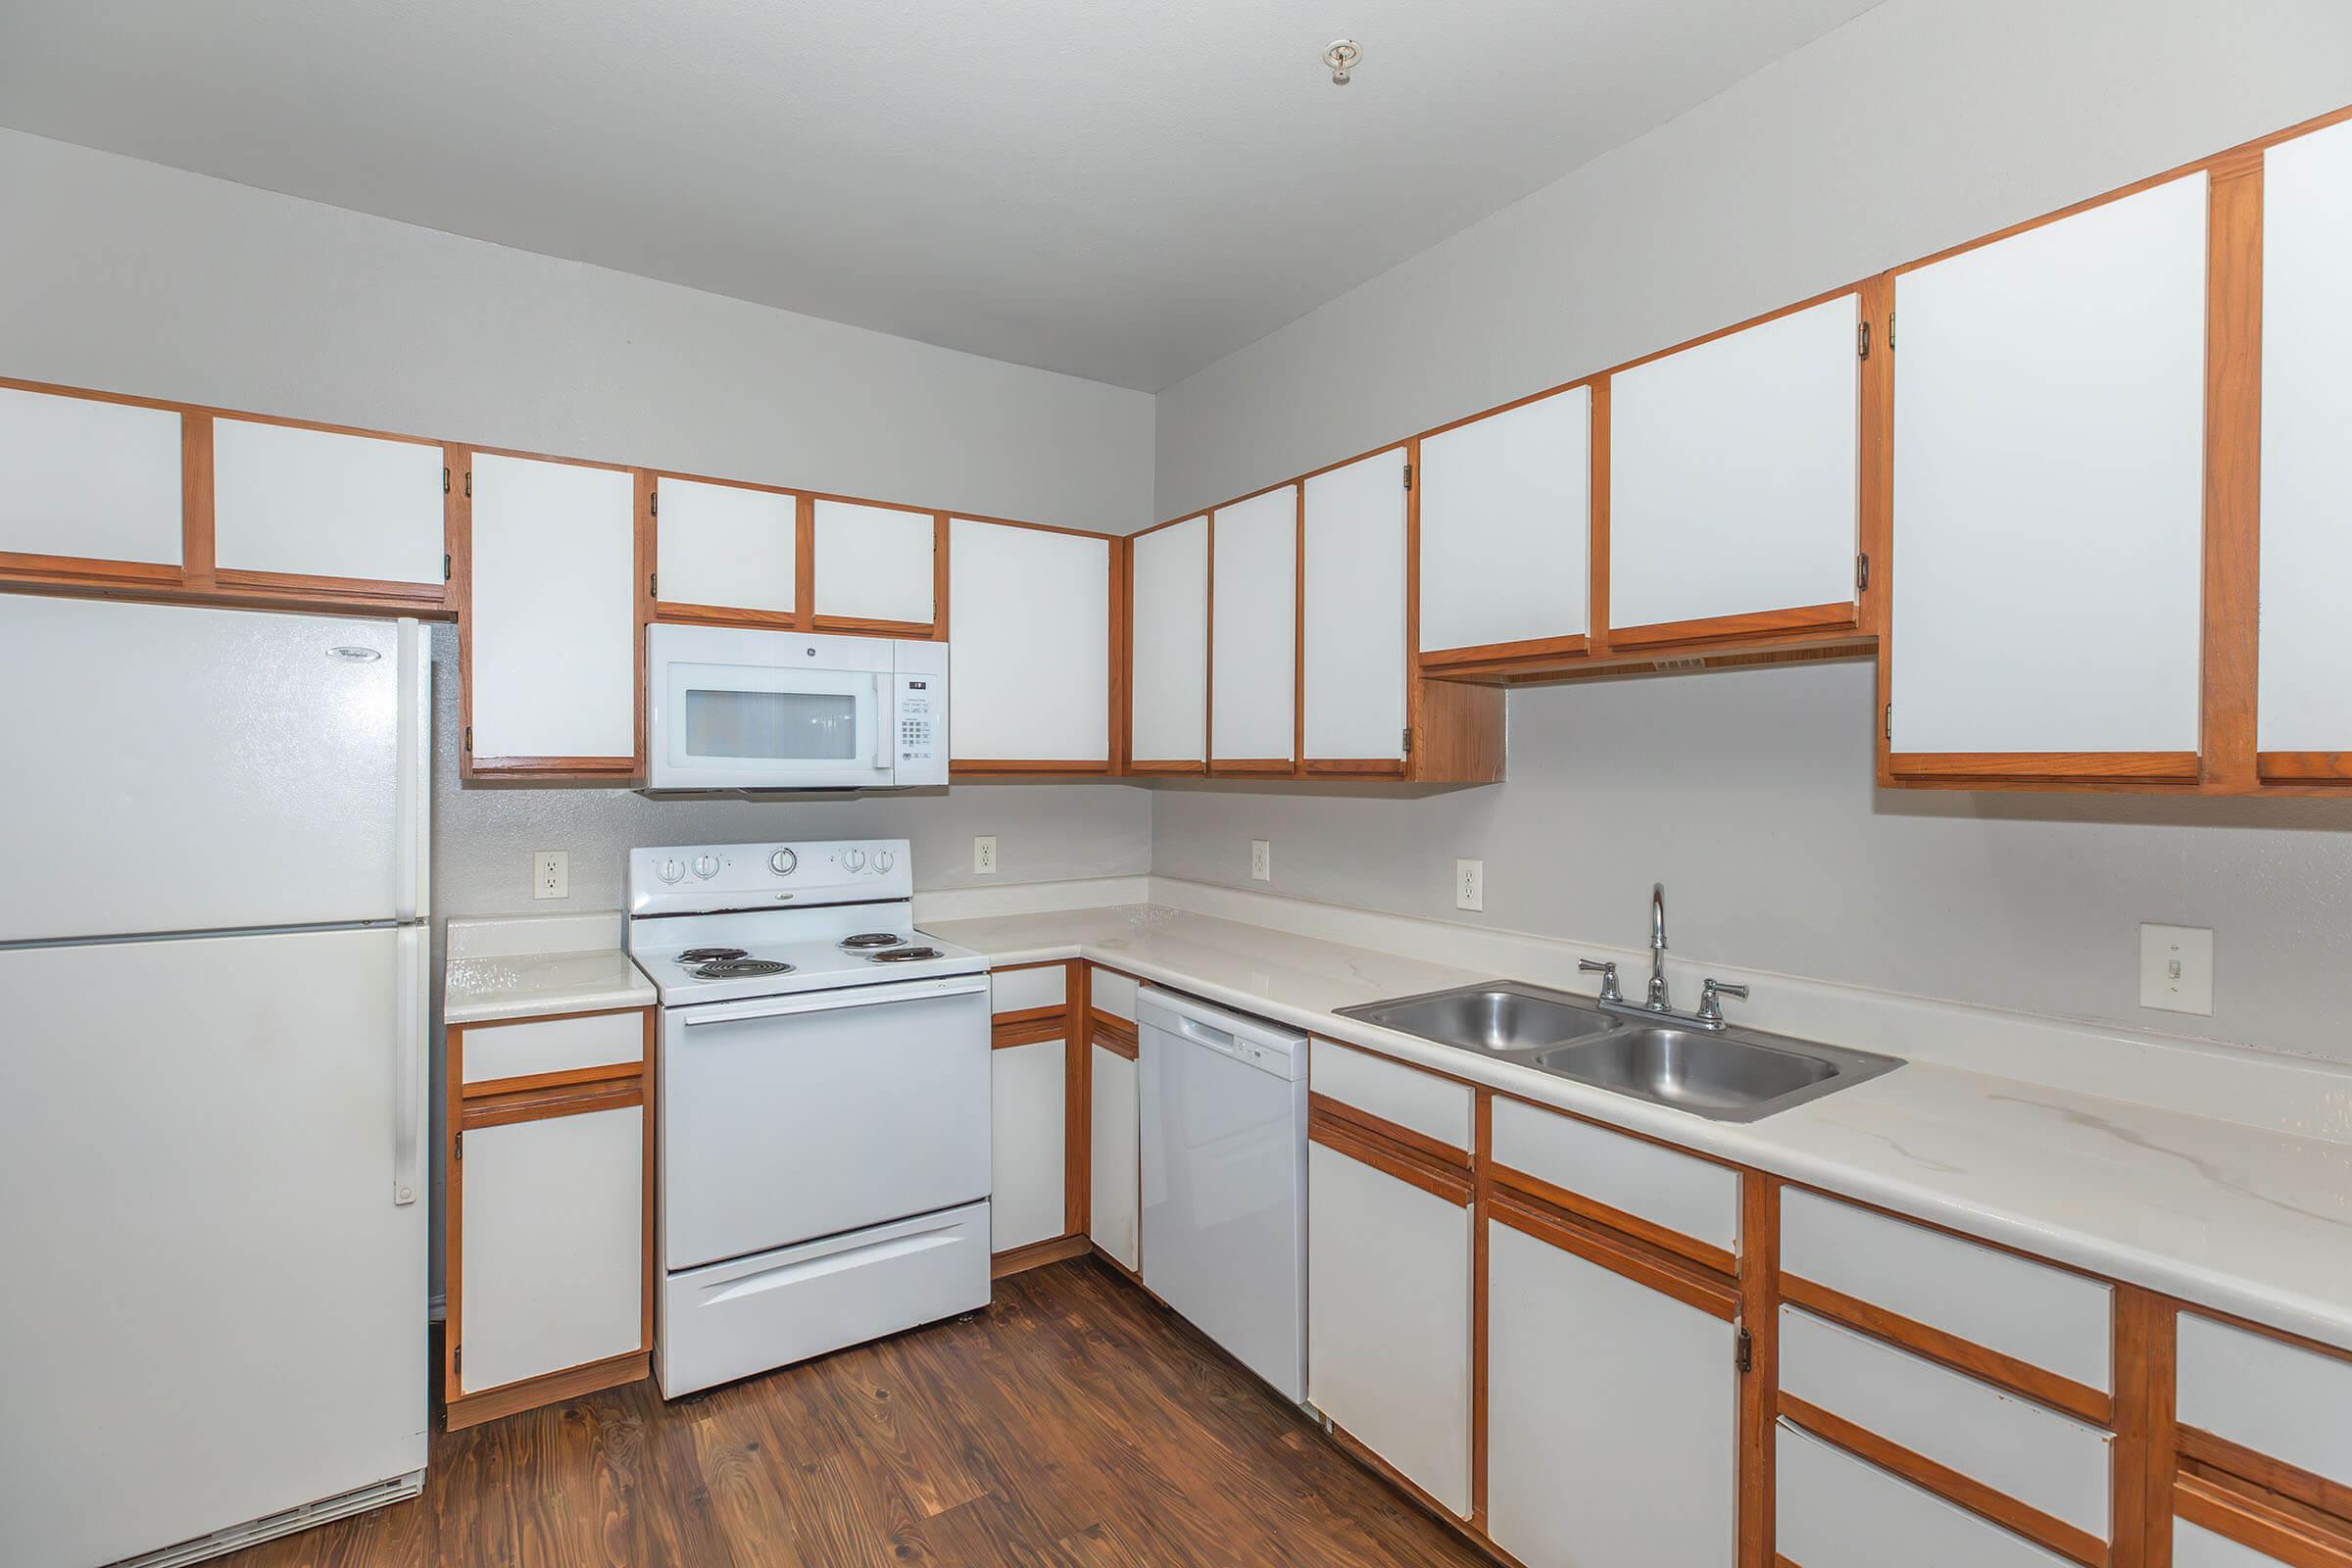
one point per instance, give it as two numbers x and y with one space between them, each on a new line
132 277
1920 125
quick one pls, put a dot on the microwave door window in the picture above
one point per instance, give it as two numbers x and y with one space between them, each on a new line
772 727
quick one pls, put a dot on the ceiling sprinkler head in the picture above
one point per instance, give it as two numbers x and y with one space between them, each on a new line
1342 57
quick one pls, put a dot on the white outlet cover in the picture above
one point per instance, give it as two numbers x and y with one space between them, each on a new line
551 874
1261 859
2175 968
1470 884
984 855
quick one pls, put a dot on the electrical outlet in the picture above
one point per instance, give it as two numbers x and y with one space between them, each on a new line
551 874
1469 884
2175 968
984 855
1261 859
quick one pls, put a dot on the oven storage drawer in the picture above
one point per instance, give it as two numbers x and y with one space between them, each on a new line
732 1319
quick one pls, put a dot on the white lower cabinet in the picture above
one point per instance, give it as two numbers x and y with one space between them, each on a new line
2195 1547
1388 1319
1612 1416
1113 1206
1026 1144
1834 1510
552 1270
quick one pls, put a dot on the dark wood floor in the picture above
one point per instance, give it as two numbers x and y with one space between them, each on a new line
1076 1423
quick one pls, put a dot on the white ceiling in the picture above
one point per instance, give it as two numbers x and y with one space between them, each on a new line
1121 190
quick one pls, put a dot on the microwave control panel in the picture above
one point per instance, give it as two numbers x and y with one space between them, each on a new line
923 728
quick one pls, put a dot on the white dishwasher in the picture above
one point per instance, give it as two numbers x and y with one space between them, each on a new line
1224 1179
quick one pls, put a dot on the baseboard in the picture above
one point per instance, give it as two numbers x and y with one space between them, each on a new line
1036 1254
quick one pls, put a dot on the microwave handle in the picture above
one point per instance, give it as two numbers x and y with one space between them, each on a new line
886 719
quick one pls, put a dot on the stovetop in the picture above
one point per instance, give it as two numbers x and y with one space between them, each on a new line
771 967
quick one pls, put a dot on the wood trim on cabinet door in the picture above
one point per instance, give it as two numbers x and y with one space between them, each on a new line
2025 767
1390 1158
2202 1452
1078 1109
1757 627
939 576
1120 630
1875 451
1655 1270
1482 1208
2295 1540
1412 1142
1296 764
2232 472
1706 1255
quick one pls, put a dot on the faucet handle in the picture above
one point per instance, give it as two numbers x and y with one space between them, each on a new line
1608 978
1710 999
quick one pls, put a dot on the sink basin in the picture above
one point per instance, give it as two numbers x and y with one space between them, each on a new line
1503 1018
1726 1077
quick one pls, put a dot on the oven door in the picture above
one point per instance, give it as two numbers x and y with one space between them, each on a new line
718 725
787 1118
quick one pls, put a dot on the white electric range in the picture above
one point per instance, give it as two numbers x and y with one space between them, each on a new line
821 1104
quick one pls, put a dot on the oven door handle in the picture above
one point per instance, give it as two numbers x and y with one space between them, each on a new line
873 995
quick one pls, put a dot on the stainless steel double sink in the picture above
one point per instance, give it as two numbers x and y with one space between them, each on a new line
1731 1074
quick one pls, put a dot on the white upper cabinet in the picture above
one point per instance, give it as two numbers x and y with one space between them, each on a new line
1353 682
1170 688
2305 665
875 564
1029 655
1253 651
725 546
552 664
89 479
2049 457
327 504
1735 473
1507 525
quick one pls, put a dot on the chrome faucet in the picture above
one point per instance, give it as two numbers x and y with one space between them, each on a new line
1656 1001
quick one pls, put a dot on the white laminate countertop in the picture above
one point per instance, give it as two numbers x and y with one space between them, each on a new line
524 968
2239 1218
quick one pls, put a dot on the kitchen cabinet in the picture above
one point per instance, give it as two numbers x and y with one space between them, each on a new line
93 487
1734 483
1029 687
2049 501
1115 1212
1028 1142
1612 1407
2194 1547
553 661
1836 1511
2304 666
725 552
291 502
1506 532
1353 673
1253 648
549 1176
1169 651
1389 1306
876 568
2282 1400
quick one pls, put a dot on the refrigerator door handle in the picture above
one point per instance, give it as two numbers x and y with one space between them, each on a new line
412 778
408 1067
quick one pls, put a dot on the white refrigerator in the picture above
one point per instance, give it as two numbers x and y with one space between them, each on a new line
213 1012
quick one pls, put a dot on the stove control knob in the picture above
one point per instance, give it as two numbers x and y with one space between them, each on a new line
855 859
784 862
669 871
884 859
705 867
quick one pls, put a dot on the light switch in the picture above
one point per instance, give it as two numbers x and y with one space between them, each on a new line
1261 859
2175 968
551 874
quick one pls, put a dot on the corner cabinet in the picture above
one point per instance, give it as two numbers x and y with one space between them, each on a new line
554 666
2050 478
1029 673
549 1175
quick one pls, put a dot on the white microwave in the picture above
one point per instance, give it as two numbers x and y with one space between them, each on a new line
737 709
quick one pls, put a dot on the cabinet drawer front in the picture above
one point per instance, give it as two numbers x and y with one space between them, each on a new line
553 1259
1025 990
2045 1316
2277 1398
326 504
2033 1455
89 478
1111 993
1835 1512
492 1051
1432 1106
1692 1197
1027 1142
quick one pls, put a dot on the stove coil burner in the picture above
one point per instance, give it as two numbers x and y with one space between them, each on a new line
709 955
864 940
906 955
739 969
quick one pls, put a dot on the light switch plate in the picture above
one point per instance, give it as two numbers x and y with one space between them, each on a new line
2175 968
551 874
1261 859
984 855
1469 884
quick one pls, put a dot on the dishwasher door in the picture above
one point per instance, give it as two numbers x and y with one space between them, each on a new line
1224 1179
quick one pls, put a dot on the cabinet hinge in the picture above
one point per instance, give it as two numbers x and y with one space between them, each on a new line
1862 341
457 1145
653 502
470 740
444 566
470 484
1408 476
1404 741
1891 721
1861 572
1744 1356
445 481
1891 331
653 585
456 1358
